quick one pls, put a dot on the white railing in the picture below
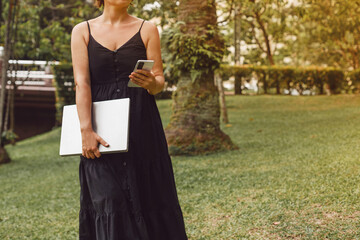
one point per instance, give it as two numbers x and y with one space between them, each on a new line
32 73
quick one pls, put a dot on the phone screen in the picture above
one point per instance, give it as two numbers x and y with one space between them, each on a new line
141 65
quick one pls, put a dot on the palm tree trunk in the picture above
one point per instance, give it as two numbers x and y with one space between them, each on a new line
194 126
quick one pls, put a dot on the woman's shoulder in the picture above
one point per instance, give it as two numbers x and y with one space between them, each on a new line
81 31
82 26
149 26
149 30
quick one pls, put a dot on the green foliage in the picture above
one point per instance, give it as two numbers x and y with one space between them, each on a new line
263 26
44 28
64 88
194 53
303 33
164 10
8 136
354 81
286 77
328 33
171 74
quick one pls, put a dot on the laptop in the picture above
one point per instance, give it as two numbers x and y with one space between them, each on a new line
110 120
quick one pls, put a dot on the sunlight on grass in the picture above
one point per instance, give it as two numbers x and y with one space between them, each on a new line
296 176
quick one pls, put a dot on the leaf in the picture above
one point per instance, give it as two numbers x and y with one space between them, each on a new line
194 74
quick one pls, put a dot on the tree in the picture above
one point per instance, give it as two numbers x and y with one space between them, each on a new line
164 10
4 157
8 133
268 23
331 32
44 27
195 49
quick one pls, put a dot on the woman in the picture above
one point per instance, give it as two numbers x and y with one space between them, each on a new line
130 195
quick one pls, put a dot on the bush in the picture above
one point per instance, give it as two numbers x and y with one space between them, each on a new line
354 81
280 78
64 88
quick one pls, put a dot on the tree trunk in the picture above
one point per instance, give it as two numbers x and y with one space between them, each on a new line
277 86
266 38
13 83
194 126
219 84
237 41
4 157
237 85
1 12
7 109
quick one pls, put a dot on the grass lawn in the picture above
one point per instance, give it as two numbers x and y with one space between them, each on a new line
295 176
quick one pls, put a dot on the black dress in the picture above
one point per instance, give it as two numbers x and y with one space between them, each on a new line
131 195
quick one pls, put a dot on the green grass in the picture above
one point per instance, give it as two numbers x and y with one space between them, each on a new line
295 176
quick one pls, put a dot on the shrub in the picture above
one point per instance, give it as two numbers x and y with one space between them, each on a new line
64 88
286 77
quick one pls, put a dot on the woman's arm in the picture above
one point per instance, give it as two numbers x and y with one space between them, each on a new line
80 63
83 99
152 81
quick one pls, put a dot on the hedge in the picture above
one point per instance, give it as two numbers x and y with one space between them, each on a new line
354 81
64 88
318 79
284 77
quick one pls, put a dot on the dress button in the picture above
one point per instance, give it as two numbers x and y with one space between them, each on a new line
115 60
115 51
117 69
124 163
118 90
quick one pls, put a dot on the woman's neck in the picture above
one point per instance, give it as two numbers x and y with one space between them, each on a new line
115 14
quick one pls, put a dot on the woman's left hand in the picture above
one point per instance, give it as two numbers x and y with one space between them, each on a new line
144 78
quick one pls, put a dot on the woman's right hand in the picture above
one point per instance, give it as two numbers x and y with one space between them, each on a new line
90 143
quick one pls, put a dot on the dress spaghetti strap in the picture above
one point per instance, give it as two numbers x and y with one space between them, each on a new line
141 25
88 27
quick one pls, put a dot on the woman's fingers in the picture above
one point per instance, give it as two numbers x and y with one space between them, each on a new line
85 152
138 81
102 141
92 155
90 147
97 153
91 152
142 75
141 79
138 76
143 72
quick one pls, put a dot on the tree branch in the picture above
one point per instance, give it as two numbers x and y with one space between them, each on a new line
230 12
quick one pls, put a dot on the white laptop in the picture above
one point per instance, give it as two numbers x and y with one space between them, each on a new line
110 120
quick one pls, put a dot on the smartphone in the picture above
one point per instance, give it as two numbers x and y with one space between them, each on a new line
141 64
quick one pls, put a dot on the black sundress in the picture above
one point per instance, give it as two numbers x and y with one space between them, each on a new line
130 195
